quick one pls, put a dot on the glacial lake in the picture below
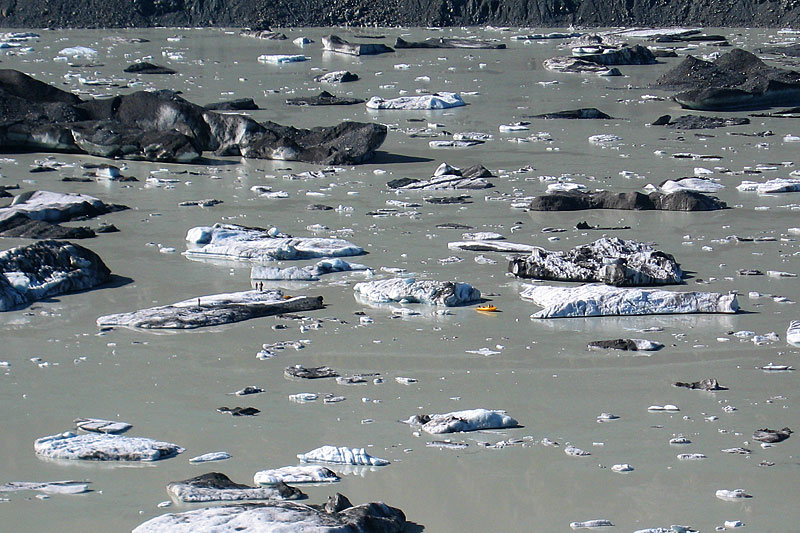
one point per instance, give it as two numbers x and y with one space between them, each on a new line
169 385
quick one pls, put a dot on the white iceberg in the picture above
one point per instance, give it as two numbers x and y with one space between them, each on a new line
210 457
101 447
459 421
773 186
228 241
307 273
78 51
442 100
55 206
341 456
97 425
295 474
596 299
732 495
793 333
409 290
278 59
687 184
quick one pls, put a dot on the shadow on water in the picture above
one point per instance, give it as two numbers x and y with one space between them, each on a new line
385 158
413 527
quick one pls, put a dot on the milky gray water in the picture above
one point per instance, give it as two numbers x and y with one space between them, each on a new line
169 384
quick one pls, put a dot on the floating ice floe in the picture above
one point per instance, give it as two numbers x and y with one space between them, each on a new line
691 456
577 65
337 515
410 290
47 268
604 139
732 495
100 447
671 529
492 245
442 100
307 273
773 186
460 421
603 300
341 456
668 408
295 474
334 43
302 41
47 487
210 457
97 425
212 310
228 241
316 372
622 468
609 260
338 76
216 487
282 58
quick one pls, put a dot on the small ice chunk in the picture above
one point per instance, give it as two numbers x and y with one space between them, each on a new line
668 408
624 467
47 487
588 524
303 397
405 381
295 474
278 59
210 457
97 425
691 456
575 452
731 495
341 455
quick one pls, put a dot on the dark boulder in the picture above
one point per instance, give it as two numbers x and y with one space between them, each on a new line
583 113
21 226
707 384
240 104
697 122
323 98
736 80
442 42
143 67
577 201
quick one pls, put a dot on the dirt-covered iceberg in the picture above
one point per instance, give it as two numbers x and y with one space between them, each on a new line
338 515
47 268
467 420
217 487
609 260
213 310
101 447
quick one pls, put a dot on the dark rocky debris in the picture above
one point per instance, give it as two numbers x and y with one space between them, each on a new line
442 42
772 435
707 384
323 98
143 67
577 201
583 113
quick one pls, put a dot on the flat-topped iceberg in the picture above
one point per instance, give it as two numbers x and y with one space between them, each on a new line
486 245
773 186
691 184
338 515
458 421
98 425
609 260
281 58
216 487
409 290
47 487
295 474
229 241
100 447
213 310
441 100
58 207
341 456
306 273
47 268
603 300
334 43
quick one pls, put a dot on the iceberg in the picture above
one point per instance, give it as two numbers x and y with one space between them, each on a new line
459 421
101 447
442 100
341 456
409 290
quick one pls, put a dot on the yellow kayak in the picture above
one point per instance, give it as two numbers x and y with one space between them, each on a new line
487 308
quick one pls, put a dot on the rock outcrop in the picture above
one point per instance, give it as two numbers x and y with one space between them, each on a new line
45 269
604 300
213 310
611 260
